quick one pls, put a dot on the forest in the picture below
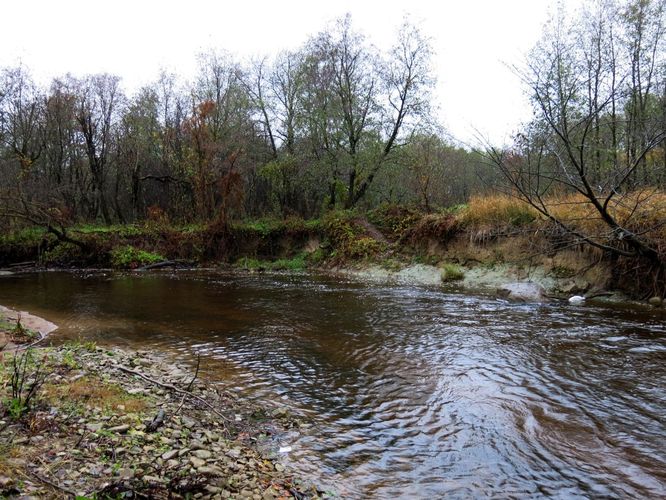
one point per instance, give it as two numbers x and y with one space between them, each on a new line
341 124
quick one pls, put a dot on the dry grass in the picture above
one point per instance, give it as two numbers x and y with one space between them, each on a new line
96 394
643 212
497 211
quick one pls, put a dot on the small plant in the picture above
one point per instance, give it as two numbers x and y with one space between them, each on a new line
296 263
26 379
69 361
19 333
452 272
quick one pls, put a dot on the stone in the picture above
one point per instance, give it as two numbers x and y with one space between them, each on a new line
169 454
197 445
197 462
522 291
6 482
126 473
655 301
120 429
214 471
203 454
188 422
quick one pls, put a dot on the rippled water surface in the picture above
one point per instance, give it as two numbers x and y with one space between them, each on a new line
412 392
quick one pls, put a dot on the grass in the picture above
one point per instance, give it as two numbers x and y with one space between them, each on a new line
296 263
641 211
95 393
451 272
496 211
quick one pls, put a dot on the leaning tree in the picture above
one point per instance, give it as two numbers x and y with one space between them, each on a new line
594 149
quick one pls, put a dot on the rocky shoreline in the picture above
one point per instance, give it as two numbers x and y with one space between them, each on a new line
112 423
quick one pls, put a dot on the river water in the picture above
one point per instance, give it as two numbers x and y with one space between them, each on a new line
413 392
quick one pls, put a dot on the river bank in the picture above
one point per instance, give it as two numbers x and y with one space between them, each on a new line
92 422
481 246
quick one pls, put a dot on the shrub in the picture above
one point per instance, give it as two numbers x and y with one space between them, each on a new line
349 237
27 376
394 220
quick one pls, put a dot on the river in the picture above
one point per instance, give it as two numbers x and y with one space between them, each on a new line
412 392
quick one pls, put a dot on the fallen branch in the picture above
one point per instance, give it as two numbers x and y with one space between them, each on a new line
52 484
165 263
175 389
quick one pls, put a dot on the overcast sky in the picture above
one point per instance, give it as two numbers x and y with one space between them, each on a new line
474 40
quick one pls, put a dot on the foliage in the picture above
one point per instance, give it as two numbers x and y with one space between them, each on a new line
348 236
394 220
61 254
128 257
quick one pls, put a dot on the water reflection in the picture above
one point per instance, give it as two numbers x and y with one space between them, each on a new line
413 392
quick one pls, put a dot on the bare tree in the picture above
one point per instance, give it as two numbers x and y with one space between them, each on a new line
99 99
583 97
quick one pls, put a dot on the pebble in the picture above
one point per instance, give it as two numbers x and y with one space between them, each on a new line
203 454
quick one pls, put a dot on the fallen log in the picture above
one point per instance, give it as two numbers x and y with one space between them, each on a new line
166 263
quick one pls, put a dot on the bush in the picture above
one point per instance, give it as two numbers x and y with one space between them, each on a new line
348 237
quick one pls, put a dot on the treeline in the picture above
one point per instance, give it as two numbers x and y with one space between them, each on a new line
334 124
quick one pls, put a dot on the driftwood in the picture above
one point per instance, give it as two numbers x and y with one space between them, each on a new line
175 389
166 263
30 263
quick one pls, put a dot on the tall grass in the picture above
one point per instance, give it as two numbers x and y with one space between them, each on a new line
497 210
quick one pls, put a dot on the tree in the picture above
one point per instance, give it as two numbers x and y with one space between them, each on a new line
359 107
583 139
97 109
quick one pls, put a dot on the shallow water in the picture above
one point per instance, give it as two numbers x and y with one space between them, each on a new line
413 392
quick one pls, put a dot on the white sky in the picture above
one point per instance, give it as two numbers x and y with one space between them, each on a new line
474 40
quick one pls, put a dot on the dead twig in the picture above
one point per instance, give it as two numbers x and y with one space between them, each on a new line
175 389
52 484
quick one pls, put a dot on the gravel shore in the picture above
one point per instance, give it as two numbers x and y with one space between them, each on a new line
112 423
